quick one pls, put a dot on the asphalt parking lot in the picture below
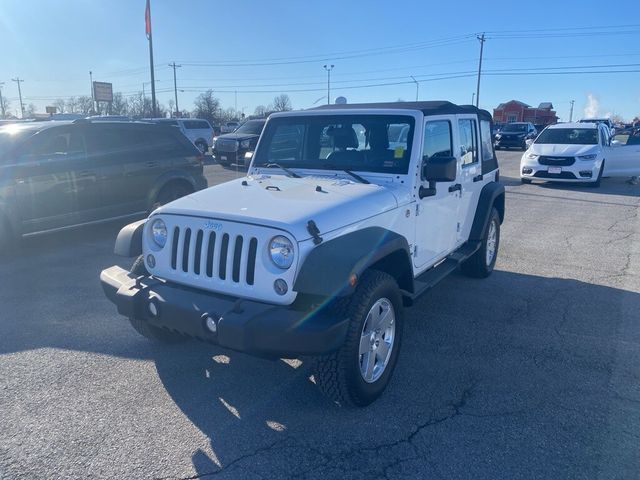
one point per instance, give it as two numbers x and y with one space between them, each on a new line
532 373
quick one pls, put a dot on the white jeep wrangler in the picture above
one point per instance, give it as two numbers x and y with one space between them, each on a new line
318 250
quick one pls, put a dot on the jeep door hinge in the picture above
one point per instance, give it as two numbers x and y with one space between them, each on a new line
417 209
458 227
415 250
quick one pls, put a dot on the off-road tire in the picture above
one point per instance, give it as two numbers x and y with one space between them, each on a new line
476 266
151 332
338 374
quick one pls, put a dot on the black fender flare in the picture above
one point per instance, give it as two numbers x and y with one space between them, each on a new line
164 179
327 270
492 194
129 240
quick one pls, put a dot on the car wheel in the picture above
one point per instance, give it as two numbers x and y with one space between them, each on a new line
358 373
596 184
170 192
481 263
202 146
151 332
525 180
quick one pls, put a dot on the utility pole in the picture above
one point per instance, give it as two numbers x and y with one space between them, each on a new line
328 68
1 100
19 80
482 40
417 86
93 98
571 111
175 86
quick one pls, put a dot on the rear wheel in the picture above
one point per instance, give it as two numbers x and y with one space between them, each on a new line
481 263
170 192
358 373
141 326
202 146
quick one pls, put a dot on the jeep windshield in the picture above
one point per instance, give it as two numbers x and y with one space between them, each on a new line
568 136
365 143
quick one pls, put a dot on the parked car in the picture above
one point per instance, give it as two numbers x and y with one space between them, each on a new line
229 127
605 121
580 152
515 135
57 175
319 249
237 147
197 130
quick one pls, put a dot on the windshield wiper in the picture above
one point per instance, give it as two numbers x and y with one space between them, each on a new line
357 177
290 173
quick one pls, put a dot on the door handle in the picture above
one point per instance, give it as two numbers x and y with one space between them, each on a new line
456 187
478 178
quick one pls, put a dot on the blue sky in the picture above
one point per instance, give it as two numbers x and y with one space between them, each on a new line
54 44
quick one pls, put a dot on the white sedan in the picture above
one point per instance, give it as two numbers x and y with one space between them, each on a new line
579 152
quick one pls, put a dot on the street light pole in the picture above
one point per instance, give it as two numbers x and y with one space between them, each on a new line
175 87
19 80
473 95
417 86
328 68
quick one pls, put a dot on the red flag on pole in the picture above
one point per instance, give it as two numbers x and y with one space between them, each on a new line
147 20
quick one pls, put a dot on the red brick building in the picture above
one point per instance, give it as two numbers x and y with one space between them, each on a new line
515 111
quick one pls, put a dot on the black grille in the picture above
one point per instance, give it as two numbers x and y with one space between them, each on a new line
556 161
207 254
561 175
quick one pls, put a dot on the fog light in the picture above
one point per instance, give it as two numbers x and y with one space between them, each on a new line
527 171
586 173
210 323
153 308
151 261
280 286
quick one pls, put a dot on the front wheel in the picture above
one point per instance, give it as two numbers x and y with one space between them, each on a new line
481 263
358 373
596 184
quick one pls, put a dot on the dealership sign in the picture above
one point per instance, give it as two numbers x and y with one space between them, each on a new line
103 92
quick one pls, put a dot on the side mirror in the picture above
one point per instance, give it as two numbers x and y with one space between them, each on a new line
439 169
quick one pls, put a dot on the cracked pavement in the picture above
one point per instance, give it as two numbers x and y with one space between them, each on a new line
532 373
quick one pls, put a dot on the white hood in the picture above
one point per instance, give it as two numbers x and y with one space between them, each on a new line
289 203
563 150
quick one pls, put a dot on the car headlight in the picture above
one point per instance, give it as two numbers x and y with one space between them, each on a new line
281 252
213 142
245 144
498 136
159 233
588 157
532 156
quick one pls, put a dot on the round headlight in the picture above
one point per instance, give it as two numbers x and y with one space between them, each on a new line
159 233
281 252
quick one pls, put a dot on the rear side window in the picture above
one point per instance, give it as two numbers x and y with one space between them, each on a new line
468 141
55 141
485 140
133 141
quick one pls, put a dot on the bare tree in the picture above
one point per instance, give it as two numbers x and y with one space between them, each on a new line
207 106
6 106
172 106
30 111
282 103
60 105
119 105
139 106
72 105
261 111
84 105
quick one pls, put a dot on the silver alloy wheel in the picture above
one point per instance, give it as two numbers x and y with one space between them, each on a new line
492 240
376 340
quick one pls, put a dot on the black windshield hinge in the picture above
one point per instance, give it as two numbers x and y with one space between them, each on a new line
314 231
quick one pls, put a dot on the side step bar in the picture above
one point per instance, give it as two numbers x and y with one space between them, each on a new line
434 275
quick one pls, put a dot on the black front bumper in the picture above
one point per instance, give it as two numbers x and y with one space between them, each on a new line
230 158
510 143
252 327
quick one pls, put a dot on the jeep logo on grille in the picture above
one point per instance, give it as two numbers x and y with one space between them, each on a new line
211 225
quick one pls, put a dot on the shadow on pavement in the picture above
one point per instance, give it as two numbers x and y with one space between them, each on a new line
540 375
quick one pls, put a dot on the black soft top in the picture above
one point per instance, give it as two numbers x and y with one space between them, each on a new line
436 107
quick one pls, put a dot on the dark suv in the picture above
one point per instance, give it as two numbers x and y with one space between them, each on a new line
515 135
55 175
233 147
